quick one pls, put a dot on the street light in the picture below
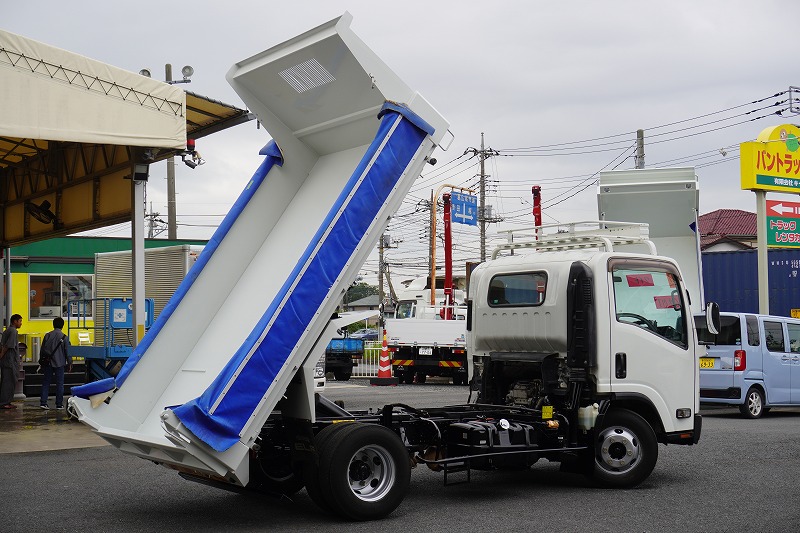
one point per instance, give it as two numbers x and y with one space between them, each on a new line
172 219
187 71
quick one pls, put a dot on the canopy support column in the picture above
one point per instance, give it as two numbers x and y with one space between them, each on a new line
138 183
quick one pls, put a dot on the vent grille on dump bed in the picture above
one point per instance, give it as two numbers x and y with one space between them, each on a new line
307 75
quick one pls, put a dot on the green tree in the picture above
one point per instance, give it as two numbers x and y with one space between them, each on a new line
359 290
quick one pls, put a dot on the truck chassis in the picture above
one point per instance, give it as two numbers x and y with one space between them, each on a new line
357 464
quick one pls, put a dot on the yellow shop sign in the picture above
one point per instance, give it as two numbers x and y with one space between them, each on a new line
772 162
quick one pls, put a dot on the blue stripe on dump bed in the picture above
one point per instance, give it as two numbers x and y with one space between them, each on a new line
274 157
219 415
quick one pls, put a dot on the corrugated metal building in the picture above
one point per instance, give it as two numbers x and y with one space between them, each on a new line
731 280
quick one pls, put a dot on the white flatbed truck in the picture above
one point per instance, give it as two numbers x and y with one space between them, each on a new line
221 388
421 342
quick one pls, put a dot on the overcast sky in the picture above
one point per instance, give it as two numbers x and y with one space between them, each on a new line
525 73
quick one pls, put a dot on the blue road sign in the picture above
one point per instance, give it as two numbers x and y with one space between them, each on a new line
464 208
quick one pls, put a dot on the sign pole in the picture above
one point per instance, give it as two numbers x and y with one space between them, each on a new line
763 263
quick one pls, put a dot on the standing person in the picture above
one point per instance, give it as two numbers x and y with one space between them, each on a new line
9 362
57 344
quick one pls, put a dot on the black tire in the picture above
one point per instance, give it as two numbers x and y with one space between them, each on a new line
311 469
421 377
407 377
626 450
364 471
459 379
753 406
341 375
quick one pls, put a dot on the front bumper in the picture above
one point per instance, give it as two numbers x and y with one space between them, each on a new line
687 437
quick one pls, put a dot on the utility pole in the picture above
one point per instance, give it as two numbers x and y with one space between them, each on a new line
172 217
483 154
380 273
482 211
151 218
432 239
639 148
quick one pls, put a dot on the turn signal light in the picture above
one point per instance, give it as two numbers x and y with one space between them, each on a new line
739 360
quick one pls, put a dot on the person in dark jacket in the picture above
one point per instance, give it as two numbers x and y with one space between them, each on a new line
57 344
9 362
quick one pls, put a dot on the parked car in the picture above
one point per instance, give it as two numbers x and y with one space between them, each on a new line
752 363
367 334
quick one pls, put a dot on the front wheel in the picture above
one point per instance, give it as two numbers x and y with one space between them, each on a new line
753 406
626 450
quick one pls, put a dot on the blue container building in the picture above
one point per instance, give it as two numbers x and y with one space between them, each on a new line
731 280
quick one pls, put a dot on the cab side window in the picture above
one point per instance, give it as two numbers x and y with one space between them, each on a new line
651 299
773 331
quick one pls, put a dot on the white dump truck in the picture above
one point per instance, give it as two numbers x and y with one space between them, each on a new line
586 357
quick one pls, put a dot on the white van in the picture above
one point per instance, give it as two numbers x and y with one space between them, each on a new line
753 362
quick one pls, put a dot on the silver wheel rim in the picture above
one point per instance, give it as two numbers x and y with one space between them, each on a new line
371 473
754 403
618 450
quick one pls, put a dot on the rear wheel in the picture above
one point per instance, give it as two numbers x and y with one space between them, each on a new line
421 377
408 377
341 375
364 471
626 450
753 406
311 470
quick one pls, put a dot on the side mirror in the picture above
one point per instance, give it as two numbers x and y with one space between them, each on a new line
712 318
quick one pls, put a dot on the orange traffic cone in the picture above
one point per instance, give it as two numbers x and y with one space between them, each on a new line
384 367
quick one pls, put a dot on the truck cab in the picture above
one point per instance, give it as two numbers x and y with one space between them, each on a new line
591 330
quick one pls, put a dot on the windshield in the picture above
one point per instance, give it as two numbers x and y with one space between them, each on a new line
405 309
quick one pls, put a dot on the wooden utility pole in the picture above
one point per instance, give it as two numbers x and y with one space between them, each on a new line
432 251
380 273
482 210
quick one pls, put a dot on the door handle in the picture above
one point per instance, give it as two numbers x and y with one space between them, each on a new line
784 358
621 366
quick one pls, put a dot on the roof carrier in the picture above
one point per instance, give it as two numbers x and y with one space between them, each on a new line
577 235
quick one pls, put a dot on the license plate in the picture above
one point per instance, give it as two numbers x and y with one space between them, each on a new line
706 362
425 350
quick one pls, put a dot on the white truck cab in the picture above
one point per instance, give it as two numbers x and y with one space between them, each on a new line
577 326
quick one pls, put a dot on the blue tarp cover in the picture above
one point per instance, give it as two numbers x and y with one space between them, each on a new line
218 416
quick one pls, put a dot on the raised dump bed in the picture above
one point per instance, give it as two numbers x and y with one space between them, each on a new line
252 315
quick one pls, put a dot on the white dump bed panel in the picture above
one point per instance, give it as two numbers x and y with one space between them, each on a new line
246 319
